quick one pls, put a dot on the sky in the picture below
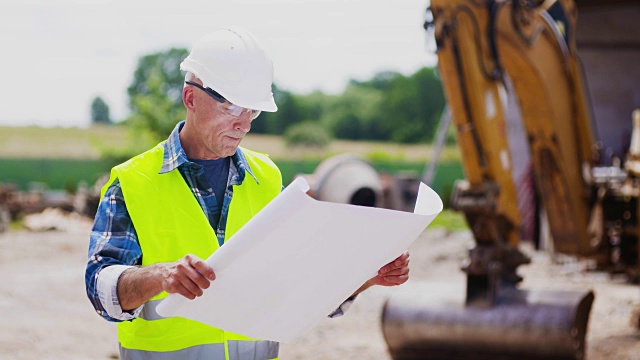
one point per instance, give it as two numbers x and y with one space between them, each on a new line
57 56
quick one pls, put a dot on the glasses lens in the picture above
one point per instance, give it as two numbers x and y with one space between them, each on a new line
229 108
236 110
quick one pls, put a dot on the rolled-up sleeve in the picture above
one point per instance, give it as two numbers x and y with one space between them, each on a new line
342 309
113 248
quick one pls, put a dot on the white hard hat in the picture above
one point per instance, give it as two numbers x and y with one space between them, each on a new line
232 62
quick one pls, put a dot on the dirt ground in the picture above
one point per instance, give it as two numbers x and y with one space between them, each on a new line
44 312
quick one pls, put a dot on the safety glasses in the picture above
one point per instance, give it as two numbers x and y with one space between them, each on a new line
228 107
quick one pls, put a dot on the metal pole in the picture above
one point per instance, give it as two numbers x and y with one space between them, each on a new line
441 136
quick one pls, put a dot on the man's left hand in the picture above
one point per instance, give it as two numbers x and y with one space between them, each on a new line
394 273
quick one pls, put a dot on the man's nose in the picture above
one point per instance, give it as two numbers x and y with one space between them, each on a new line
243 122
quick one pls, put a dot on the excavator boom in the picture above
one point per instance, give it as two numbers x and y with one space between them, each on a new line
489 52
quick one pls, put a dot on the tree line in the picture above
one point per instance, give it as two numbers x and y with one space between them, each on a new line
388 107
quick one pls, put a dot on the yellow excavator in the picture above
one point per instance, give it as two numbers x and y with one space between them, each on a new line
573 88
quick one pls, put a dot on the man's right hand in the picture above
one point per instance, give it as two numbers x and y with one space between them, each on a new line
187 277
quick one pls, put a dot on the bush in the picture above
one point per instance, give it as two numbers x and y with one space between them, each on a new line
307 134
384 156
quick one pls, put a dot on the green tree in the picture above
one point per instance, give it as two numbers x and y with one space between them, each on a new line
100 111
388 107
277 122
352 114
380 81
314 105
307 134
155 94
432 101
412 106
292 109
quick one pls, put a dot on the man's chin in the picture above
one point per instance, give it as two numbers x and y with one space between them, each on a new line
230 151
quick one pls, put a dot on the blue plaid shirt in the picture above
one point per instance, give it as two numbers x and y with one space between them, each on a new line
114 240
114 245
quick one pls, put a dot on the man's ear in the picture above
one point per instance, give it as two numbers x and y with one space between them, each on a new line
187 98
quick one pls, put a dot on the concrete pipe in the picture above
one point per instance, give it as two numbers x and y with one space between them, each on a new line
347 179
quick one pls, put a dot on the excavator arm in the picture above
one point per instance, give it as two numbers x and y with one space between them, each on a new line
486 50
540 56
483 47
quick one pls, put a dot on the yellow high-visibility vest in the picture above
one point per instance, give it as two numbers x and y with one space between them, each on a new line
171 224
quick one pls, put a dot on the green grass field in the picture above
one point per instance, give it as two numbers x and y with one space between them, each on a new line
74 143
450 220
63 157
59 143
56 173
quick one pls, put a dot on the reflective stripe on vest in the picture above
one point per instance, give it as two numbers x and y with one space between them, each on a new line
170 224
208 351
238 350
149 312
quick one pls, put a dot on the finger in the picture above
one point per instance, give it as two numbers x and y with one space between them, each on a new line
399 271
396 280
190 285
180 289
404 258
400 261
179 284
395 265
388 267
187 272
202 267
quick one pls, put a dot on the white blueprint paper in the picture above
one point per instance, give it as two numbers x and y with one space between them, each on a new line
297 260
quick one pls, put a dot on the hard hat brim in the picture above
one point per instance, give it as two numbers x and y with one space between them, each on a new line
209 80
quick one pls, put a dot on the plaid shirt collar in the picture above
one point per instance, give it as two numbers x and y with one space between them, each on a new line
174 157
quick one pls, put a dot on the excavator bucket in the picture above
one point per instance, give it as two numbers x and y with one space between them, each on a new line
431 322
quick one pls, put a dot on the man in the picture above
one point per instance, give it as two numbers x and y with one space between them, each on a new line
165 210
